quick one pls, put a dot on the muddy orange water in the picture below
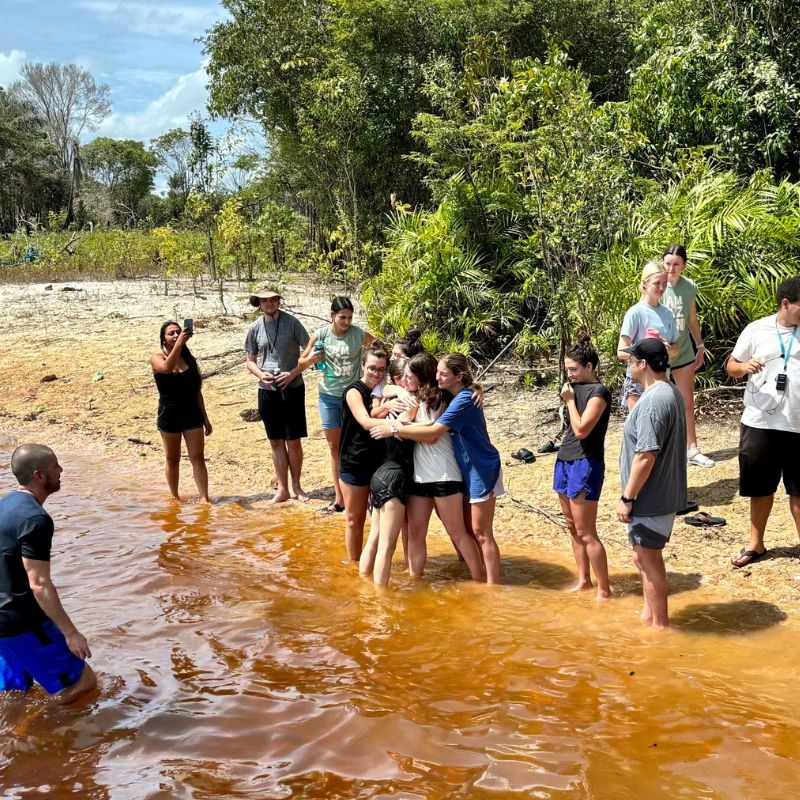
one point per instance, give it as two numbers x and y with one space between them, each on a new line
238 657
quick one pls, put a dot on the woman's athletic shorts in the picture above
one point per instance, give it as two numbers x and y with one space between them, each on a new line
389 482
497 491
630 387
178 420
356 478
652 533
764 456
283 413
581 475
436 489
330 411
39 655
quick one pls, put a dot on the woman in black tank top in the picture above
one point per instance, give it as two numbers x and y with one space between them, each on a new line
359 454
181 408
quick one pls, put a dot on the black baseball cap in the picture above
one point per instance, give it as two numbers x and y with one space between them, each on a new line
651 350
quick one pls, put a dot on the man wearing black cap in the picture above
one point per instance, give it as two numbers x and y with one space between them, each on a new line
652 465
274 343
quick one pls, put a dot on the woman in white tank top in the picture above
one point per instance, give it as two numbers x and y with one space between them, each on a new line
437 479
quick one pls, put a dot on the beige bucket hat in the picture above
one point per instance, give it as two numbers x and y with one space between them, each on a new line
264 293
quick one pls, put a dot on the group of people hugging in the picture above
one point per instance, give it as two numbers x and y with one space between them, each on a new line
407 433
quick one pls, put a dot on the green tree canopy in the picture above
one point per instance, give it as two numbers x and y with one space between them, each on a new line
124 168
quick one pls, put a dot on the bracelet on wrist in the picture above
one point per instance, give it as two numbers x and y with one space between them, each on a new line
626 499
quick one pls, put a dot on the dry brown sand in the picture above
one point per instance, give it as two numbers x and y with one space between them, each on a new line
97 339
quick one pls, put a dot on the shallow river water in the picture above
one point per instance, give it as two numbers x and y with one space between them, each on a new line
238 657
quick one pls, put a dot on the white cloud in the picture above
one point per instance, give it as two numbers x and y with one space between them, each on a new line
171 110
162 20
10 64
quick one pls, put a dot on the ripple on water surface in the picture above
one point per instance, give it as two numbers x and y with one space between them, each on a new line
239 657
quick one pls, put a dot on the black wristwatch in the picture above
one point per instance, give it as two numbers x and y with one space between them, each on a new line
626 499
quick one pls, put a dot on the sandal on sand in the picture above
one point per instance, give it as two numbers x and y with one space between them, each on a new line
332 508
691 505
524 455
703 520
548 447
746 557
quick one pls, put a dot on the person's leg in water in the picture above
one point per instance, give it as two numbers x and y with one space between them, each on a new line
392 515
451 512
355 505
196 447
482 519
332 436
419 511
280 460
650 563
294 449
581 517
172 452
84 684
404 533
578 548
367 561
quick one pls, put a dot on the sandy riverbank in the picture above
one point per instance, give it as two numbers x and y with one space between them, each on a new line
96 340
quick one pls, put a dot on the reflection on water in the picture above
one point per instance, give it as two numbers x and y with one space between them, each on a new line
238 657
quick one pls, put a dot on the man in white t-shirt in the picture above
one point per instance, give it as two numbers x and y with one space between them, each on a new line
768 354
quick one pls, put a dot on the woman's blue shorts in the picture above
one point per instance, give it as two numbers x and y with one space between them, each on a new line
330 411
582 475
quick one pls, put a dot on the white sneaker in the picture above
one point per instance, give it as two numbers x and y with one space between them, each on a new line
694 456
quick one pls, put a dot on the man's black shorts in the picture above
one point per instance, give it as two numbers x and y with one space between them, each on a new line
765 455
283 412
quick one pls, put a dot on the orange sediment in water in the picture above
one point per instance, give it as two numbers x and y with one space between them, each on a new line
240 657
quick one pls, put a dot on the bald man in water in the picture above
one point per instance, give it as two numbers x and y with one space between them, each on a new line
38 640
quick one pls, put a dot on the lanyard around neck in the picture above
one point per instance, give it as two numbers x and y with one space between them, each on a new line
785 352
272 344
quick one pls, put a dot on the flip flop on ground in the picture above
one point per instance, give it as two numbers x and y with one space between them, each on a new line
332 508
746 557
704 520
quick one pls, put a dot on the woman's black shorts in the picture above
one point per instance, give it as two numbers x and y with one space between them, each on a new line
436 489
178 420
389 482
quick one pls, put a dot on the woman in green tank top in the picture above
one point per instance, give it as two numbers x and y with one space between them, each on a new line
335 349
680 299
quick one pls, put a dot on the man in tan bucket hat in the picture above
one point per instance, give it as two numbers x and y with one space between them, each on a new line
274 343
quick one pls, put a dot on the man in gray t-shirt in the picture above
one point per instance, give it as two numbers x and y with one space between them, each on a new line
652 465
274 343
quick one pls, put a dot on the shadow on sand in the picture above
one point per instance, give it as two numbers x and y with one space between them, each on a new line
724 455
735 618
717 493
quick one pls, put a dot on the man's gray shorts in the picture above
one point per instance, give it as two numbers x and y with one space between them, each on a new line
651 533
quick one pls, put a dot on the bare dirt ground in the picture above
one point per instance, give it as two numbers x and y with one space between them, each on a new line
74 371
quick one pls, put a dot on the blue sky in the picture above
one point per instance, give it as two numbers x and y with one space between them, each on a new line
144 50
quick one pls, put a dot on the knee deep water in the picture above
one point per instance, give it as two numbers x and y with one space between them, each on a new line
238 656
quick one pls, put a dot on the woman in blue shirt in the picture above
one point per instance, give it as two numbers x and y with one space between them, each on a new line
648 318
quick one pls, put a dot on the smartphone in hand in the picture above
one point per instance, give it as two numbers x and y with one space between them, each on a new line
188 326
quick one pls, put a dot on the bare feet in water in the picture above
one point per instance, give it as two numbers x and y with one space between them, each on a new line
581 586
300 495
281 496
